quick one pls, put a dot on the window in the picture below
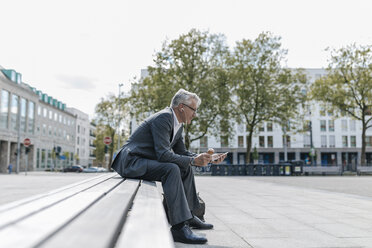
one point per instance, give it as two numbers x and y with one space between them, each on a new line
39 110
43 158
14 112
261 128
44 129
38 158
344 141
323 140
288 141
45 112
50 114
78 140
270 141
306 125
31 119
23 114
60 118
240 141
332 141
224 141
55 117
50 131
323 126
331 125
369 141
204 141
307 142
344 125
269 126
352 141
261 141
78 129
368 111
352 125
4 115
322 111
49 159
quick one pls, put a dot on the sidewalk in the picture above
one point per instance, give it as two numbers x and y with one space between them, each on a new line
265 212
260 212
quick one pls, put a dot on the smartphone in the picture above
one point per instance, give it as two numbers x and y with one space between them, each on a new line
216 156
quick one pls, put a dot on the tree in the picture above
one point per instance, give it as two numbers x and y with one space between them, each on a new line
110 114
195 62
100 146
263 90
347 88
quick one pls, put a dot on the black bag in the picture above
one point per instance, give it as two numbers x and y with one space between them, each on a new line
199 212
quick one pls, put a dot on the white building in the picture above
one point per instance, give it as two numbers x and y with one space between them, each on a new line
29 113
82 140
335 140
92 147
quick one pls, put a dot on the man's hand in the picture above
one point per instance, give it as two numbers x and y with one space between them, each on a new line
221 157
202 159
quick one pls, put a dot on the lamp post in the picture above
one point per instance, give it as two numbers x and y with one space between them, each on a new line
119 118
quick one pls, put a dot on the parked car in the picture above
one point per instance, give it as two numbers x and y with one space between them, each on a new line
74 168
94 169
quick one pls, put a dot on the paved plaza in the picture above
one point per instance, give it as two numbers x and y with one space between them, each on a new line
257 211
287 212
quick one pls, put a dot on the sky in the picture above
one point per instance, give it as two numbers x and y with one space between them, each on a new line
79 51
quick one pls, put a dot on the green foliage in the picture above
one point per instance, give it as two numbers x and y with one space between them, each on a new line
264 90
196 62
112 114
255 154
347 88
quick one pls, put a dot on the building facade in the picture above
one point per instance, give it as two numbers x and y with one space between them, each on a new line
26 112
336 139
92 147
82 140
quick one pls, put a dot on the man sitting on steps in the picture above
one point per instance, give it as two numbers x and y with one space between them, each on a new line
156 152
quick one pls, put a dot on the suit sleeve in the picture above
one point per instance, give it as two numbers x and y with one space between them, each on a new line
180 148
161 129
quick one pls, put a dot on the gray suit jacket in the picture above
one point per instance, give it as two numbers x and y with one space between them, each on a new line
152 140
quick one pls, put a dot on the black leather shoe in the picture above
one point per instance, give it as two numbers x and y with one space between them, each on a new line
198 224
185 235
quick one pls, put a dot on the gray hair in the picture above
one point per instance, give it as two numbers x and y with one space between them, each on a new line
183 96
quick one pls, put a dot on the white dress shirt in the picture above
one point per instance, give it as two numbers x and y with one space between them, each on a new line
176 125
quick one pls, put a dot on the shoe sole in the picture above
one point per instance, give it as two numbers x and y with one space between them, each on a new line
190 242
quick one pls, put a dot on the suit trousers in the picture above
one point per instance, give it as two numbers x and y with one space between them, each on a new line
178 186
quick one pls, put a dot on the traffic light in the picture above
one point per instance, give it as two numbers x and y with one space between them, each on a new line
59 150
106 149
27 150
